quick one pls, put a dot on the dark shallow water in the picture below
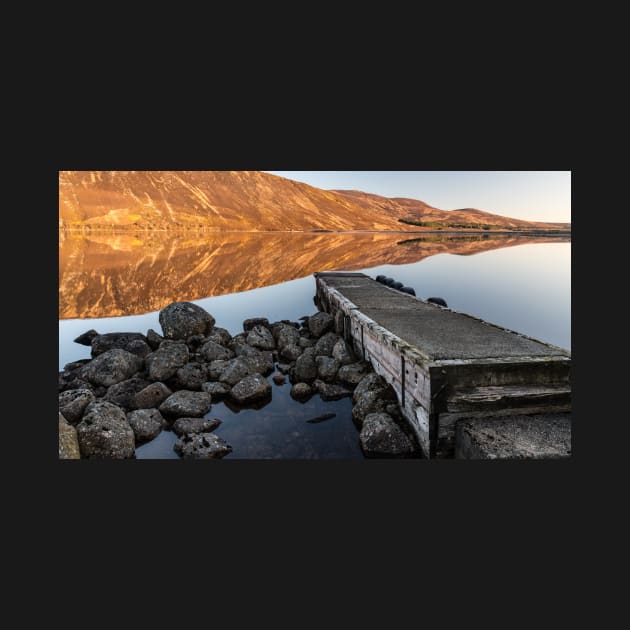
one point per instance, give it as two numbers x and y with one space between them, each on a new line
526 288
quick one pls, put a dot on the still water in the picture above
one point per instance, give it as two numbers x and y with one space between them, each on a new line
120 282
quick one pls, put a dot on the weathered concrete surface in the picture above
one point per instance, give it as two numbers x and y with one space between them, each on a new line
541 436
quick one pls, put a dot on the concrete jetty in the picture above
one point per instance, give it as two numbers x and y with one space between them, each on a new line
448 367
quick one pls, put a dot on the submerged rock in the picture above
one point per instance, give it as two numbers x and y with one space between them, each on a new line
381 436
180 320
104 432
279 379
216 390
166 360
112 366
186 403
320 323
68 441
301 391
136 343
201 446
250 389
124 393
186 426
212 351
146 424
151 396
72 404
85 339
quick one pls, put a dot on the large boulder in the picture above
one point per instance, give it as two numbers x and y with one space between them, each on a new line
305 370
286 336
327 368
136 343
68 442
166 360
250 323
181 320
146 424
185 403
331 391
186 426
124 393
325 344
104 431
112 366
258 361
85 339
381 436
372 382
320 323
151 396
235 370
212 351
250 389
352 373
343 353
72 403
201 446
192 375
216 390
261 338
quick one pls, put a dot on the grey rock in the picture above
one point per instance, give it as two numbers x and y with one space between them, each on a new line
331 391
212 351
186 426
104 431
123 393
327 368
166 360
258 360
136 343
146 424
75 365
112 366
216 368
370 402
372 382
352 373
68 442
305 342
320 323
291 352
202 446
286 336
191 376
72 403
279 379
86 338
301 391
180 320
305 366
151 396
194 341
185 403
250 389
261 338
216 390
236 370
220 335
381 436
325 344
343 353
250 323
153 339
238 340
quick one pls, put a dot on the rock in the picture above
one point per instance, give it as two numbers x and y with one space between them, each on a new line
284 367
136 343
153 339
320 323
104 431
201 446
186 426
330 391
236 370
325 344
279 379
372 382
261 338
180 320
370 402
397 285
194 341
353 372
250 389
69 381
291 352
166 360
216 390
86 338
343 353
123 393
72 404
305 342
238 340
258 361
409 290
151 396
146 424
220 335
112 366
191 376
286 336
248 324
216 368
305 366
68 442
301 391
212 351
186 403
438 300
75 365
380 435
327 368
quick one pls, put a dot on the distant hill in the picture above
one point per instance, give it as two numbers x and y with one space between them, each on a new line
243 200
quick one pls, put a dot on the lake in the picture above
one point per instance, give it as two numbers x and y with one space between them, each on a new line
119 282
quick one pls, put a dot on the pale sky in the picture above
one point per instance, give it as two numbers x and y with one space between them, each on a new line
530 195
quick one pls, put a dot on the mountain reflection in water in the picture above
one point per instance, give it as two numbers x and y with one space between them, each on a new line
108 274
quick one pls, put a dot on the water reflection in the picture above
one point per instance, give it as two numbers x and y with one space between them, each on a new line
110 275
